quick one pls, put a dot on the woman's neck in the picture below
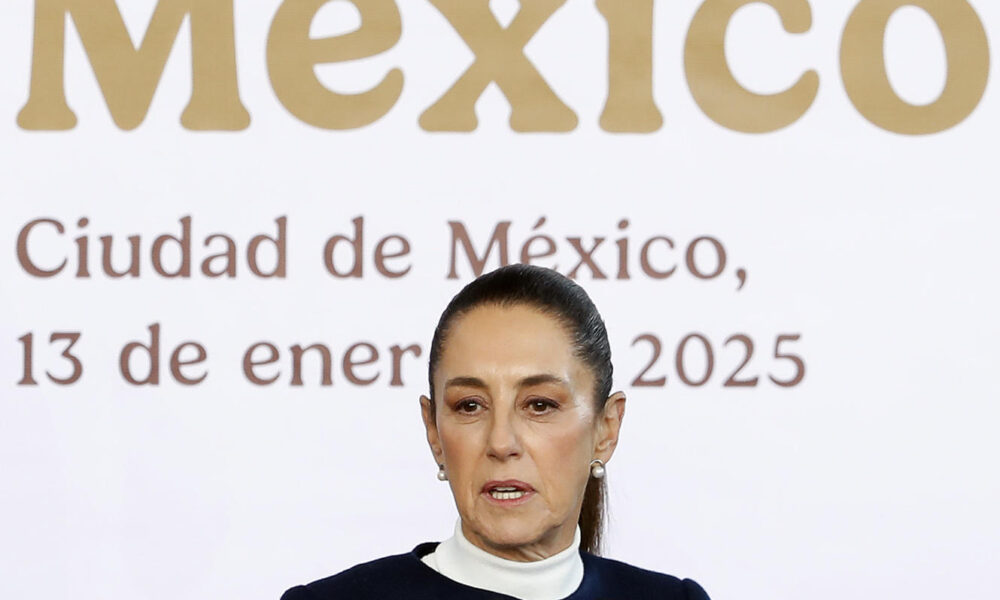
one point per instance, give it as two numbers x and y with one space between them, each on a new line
558 541
551 578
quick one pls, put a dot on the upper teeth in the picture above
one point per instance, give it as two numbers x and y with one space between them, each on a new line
507 493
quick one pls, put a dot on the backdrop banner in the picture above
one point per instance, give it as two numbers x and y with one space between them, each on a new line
228 230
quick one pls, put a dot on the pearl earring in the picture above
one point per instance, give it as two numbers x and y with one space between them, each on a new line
597 468
442 476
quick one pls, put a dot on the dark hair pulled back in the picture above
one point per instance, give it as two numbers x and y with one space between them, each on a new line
567 302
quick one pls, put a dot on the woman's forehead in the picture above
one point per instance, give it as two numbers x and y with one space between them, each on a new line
519 339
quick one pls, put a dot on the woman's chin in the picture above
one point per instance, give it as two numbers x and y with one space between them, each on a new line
509 531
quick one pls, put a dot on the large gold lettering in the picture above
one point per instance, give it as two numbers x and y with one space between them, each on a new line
715 89
630 106
291 56
500 58
127 76
862 65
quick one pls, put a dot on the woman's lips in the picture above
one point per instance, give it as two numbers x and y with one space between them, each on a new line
511 492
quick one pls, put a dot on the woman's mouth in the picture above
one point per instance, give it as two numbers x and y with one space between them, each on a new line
508 493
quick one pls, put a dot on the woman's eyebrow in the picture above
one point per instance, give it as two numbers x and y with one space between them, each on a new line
540 379
466 381
475 382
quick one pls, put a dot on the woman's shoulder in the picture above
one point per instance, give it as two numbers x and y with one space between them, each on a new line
637 583
392 576
405 576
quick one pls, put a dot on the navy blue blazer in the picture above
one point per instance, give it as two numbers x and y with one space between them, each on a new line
406 576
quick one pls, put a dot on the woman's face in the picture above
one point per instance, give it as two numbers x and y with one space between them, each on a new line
514 409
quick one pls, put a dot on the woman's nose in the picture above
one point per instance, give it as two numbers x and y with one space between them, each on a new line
503 441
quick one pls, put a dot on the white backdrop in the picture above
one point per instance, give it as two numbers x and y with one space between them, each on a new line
874 477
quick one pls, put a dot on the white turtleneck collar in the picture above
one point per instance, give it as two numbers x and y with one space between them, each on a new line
551 578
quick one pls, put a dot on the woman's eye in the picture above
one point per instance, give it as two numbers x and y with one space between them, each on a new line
467 406
541 406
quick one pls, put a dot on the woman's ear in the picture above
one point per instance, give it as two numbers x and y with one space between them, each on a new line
609 423
430 424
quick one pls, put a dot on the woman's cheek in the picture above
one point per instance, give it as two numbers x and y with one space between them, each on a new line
574 442
460 449
558 452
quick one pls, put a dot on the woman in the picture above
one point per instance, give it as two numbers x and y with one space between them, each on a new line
521 422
